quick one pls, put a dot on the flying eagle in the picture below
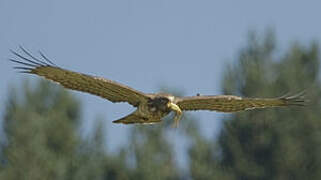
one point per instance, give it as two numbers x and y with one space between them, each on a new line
151 108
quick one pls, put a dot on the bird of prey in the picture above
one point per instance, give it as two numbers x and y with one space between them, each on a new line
151 108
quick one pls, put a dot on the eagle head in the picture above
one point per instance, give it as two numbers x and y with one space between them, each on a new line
161 102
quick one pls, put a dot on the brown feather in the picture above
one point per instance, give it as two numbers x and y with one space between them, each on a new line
110 90
135 118
229 103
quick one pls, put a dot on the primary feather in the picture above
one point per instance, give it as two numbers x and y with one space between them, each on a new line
111 90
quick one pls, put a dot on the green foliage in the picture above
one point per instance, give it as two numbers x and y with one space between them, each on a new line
43 143
151 153
280 143
40 133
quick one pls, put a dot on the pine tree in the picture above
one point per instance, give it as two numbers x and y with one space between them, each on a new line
280 143
43 141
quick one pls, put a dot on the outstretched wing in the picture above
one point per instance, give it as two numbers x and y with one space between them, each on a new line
227 103
105 88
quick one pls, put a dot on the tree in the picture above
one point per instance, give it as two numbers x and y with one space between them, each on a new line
151 154
43 142
271 143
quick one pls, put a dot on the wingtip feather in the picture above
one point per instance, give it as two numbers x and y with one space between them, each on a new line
296 99
29 62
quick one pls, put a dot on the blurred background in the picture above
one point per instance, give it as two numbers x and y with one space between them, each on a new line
246 48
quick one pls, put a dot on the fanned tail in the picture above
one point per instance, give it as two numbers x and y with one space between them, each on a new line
134 118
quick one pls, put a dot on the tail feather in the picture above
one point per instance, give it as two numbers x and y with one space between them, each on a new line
136 119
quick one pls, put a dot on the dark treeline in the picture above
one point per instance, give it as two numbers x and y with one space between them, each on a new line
43 142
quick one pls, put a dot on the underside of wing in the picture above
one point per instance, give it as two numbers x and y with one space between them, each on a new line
228 103
105 88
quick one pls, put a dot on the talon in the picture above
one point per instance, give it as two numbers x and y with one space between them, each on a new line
176 120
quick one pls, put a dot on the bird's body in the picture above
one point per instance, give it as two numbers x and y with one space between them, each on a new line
151 108
151 111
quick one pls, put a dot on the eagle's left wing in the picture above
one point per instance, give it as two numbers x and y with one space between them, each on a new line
228 103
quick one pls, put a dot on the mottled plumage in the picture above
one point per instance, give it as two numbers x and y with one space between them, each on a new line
151 108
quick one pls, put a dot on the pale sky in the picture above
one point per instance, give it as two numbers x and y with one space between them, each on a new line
181 44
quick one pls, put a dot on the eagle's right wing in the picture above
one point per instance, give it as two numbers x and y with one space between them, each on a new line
110 90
